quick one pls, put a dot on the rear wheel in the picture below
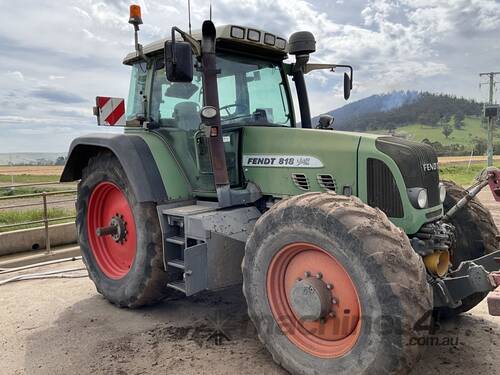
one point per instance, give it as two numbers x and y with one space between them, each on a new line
120 238
475 235
332 286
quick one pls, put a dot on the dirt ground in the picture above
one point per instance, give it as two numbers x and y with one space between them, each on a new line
462 159
36 170
65 327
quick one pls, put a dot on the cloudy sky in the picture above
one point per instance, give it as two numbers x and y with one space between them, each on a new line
56 56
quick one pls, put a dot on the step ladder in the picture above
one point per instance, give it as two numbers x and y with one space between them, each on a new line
185 258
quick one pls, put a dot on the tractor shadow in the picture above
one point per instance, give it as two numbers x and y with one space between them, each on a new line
210 333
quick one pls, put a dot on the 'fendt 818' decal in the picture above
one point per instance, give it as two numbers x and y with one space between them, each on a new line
283 161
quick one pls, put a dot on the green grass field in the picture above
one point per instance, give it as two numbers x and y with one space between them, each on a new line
28 178
465 136
17 216
459 173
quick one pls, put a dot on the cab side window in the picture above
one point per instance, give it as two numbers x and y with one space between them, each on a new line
175 104
135 105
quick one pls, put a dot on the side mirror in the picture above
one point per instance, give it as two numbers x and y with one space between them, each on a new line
178 61
347 86
325 122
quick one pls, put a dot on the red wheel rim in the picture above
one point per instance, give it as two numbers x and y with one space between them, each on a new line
114 258
335 335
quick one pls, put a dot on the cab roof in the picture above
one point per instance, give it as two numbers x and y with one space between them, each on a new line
234 34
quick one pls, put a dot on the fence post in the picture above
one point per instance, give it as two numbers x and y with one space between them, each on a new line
46 223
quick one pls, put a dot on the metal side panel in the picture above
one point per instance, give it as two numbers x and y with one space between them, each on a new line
225 233
224 258
195 274
236 223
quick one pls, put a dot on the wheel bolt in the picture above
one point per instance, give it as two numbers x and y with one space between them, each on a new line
299 279
319 275
334 301
329 286
331 314
307 274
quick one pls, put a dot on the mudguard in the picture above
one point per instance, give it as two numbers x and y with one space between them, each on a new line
134 156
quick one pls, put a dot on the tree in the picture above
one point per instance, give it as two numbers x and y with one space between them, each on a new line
447 130
480 146
459 120
60 160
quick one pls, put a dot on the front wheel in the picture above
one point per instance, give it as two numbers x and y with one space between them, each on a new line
333 287
120 238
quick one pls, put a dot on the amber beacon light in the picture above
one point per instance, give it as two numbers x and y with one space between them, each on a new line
135 15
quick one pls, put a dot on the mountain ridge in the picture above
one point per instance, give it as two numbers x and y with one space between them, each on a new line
400 108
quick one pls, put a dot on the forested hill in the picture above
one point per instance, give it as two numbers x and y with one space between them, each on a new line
400 108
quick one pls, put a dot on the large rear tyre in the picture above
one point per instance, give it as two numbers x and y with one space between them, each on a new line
475 236
333 287
126 265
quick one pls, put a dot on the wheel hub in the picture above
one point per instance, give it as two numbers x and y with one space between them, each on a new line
111 230
311 299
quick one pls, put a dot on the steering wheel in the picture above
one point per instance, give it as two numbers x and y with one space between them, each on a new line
235 106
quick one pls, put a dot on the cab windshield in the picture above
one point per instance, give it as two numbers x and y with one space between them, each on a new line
251 92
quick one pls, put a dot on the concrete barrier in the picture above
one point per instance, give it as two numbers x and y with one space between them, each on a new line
34 239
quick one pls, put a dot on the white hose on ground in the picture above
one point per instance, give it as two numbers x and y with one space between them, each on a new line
35 265
47 275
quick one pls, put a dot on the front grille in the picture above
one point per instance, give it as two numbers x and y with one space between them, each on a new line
300 180
382 189
413 159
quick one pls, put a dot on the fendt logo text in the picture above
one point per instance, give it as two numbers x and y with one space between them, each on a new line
428 167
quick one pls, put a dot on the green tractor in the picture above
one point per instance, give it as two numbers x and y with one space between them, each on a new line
347 244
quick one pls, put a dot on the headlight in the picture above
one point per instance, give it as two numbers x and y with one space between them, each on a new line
422 198
442 192
418 197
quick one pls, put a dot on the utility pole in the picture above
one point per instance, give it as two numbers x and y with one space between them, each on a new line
491 82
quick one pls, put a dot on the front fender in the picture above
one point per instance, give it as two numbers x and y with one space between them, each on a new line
134 156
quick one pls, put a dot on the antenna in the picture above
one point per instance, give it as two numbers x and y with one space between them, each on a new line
189 15
210 11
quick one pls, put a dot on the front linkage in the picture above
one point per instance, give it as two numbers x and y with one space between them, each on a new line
480 275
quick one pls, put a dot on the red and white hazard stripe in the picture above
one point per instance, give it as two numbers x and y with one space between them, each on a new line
111 111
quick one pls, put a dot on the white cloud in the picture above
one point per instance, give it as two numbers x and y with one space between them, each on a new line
77 47
16 75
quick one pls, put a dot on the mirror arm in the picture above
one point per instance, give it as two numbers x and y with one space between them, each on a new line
310 67
195 45
351 72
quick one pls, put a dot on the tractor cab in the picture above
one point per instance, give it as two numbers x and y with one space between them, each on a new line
251 87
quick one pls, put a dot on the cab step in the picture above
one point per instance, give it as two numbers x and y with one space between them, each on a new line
177 263
177 240
178 285
185 256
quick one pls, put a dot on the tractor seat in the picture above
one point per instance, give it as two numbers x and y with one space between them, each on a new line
187 115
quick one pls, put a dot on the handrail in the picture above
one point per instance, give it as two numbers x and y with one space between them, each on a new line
34 184
44 202
36 222
34 195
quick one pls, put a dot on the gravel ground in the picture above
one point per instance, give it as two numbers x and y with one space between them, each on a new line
63 327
